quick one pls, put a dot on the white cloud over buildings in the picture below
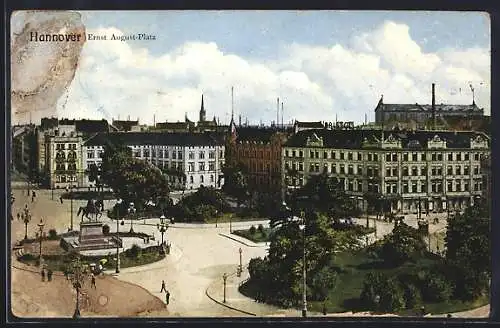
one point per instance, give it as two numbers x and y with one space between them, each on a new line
115 79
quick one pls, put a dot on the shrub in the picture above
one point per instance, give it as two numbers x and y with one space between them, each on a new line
252 230
261 228
435 288
52 234
389 292
133 252
105 229
412 296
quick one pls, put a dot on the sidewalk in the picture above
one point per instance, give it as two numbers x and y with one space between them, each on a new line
243 241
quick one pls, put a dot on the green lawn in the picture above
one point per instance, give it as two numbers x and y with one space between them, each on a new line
84 195
353 267
229 217
257 237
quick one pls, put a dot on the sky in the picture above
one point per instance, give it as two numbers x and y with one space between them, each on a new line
323 65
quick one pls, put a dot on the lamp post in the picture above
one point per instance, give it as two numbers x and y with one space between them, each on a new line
131 210
52 193
71 207
26 216
304 278
224 278
162 227
230 223
117 206
40 227
240 268
77 279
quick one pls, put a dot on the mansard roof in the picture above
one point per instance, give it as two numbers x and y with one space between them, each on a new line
353 139
154 138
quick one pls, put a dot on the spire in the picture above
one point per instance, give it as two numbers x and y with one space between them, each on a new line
202 110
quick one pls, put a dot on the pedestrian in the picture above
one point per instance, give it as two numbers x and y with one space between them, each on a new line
324 308
163 286
49 275
43 274
18 216
61 199
167 297
93 281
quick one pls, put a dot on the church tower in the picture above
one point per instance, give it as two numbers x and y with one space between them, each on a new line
202 111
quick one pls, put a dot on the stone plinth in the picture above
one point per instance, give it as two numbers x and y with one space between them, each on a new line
91 237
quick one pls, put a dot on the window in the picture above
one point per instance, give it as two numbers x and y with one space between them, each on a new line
202 179
405 171
375 157
342 169
211 154
179 154
423 187
433 187
388 172
466 156
146 152
433 156
466 185
202 155
191 167
449 186
414 187
360 157
360 186
311 154
450 170
174 155
370 157
414 157
90 154
325 168
211 178
394 171
166 153
458 185
439 170
466 170
476 156
191 155
311 167
458 170
211 166
301 154
388 157
405 157
341 155
287 153
349 156
160 153
394 157
360 170
388 189
202 166
459 156
439 187
350 169
334 168
325 155
221 154
301 166
423 171
414 171
191 180
316 166
450 157
476 169
317 154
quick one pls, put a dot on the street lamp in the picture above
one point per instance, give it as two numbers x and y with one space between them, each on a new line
71 207
131 210
240 268
304 282
230 223
40 226
117 206
224 277
77 280
162 227
26 216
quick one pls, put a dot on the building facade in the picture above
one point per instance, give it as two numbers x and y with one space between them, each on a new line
258 150
63 157
439 170
190 160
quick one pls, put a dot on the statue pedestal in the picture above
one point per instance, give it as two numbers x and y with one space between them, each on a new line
91 234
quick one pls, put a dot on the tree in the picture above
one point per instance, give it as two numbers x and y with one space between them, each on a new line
236 183
382 293
132 179
403 244
468 238
323 281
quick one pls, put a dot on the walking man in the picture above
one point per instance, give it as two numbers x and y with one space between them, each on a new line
43 274
167 297
93 281
49 275
61 199
33 195
163 286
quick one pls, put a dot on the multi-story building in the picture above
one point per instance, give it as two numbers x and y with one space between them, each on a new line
416 116
486 172
258 150
190 160
436 169
63 131
63 157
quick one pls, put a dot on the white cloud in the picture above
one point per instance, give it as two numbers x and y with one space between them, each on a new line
315 83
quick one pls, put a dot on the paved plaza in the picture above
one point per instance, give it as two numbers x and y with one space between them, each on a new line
200 255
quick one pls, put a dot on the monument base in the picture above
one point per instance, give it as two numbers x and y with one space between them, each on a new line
90 237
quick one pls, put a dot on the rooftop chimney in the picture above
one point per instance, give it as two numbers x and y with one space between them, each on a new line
434 105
